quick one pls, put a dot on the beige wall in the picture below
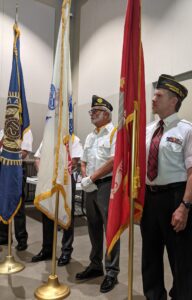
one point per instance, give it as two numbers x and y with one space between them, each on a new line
185 110
37 26
96 58
166 31
96 41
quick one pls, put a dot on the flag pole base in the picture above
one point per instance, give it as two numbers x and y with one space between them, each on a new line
9 265
52 290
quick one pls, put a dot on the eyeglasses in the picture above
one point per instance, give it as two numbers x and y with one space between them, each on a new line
94 111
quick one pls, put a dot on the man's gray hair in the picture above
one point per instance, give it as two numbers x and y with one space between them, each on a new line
109 112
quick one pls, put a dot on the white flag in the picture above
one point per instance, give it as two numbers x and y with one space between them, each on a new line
55 166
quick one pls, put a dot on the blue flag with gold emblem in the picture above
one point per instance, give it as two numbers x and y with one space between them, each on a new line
16 124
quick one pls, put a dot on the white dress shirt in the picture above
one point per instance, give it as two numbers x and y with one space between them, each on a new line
1 134
99 148
27 142
38 152
76 148
175 150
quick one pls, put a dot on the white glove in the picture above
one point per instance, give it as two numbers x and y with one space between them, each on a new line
86 181
87 185
91 188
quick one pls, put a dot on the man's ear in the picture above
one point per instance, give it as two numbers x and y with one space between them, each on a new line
174 101
106 114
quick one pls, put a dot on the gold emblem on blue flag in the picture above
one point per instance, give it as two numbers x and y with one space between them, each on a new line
16 123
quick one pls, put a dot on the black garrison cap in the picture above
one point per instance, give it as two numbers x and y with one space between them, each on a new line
98 101
168 82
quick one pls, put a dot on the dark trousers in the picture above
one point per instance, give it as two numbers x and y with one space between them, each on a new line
97 204
158 234
68 235
21 234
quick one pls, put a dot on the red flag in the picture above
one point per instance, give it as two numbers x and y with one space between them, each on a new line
132 96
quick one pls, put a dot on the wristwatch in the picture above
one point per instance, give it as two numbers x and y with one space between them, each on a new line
187 204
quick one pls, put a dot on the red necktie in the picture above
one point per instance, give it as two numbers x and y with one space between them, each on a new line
152 167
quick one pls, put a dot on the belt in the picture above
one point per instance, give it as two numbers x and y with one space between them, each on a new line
162 188
105 179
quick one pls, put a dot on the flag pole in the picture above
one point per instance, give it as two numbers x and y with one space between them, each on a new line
9 265
53 290
16 13
132 204
53 266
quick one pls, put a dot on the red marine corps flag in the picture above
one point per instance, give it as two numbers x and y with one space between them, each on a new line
132 98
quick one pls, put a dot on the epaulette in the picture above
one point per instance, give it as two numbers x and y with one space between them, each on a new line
186 122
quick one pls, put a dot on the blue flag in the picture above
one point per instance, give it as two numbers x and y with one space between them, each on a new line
16 124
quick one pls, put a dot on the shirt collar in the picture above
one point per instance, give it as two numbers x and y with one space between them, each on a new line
167 121
107 127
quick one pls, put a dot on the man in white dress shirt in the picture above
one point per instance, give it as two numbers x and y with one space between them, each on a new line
96 167
48 225
167 214
21 234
